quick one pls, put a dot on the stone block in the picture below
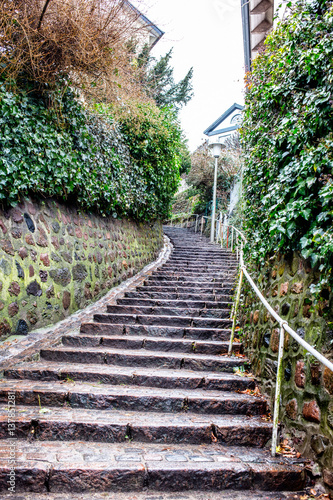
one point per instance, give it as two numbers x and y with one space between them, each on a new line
315 374
44 257
256 316
328 380
297 287
13 309
66 299
284 289
291 409
300 374
311 411
23 253
14 288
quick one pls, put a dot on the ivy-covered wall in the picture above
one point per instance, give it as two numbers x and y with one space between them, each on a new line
307 390
55 260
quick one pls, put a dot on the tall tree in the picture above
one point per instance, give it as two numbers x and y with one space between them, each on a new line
159 81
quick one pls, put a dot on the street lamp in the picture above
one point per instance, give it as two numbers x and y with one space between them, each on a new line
216 148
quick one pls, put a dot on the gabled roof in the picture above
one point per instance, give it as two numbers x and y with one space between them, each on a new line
151 27
211 129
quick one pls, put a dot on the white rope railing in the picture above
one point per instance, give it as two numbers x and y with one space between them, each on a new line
231 237
284 327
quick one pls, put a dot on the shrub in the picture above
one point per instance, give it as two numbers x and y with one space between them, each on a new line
288 140
66 151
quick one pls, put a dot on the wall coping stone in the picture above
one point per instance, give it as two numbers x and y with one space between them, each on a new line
22 348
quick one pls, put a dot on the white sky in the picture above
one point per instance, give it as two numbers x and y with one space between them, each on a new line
205 34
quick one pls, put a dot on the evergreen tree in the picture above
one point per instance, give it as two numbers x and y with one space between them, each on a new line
159 82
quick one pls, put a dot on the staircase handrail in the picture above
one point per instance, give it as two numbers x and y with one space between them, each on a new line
284 326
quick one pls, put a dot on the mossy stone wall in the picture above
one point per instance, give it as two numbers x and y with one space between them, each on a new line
307 390
55 260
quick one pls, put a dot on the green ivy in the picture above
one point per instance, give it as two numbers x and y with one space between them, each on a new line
288 140
56 147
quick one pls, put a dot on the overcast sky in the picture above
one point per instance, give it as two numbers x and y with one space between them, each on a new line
205 34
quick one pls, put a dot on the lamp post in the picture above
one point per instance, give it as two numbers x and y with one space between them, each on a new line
216 149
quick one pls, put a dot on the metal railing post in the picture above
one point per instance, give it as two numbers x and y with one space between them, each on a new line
222 234
232 239
196 224
227 235
235 310
278 392
202 223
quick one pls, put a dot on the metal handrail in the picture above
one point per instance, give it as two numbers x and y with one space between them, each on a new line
284 326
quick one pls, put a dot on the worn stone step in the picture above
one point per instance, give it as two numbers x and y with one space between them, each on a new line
179 295
140 357
195 269
169 311
191 304
108 467
115 426
141 319
218 334
221 265
193 284
180 278
134 398
194 290
151 344
188 495
117 375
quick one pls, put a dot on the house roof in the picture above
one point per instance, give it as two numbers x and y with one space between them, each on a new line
211 130
154 30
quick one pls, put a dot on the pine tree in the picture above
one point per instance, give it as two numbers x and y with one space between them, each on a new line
159 82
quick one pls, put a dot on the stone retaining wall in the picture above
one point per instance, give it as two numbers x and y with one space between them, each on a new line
55 260
307 392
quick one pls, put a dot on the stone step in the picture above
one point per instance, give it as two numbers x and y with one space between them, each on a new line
70 467
193 284
210 296
143 358
191 279
150 344
97 396
202 261
169 311
216 296
191 304
218 334
192 276
116 426
194 268
192 290
141 319
124 375
188 495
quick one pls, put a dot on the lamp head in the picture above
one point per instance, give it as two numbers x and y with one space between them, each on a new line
216 148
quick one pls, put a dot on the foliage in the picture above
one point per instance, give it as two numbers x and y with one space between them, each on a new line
159 82
63 150
288 140
82 43
201 175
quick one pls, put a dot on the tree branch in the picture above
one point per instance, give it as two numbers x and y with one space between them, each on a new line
43 13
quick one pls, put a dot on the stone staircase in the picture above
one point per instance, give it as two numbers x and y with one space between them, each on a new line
145 398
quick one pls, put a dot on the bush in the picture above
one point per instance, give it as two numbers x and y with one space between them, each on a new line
68 152
288 140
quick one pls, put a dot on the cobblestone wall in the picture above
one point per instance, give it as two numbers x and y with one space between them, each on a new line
307 393
54 261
